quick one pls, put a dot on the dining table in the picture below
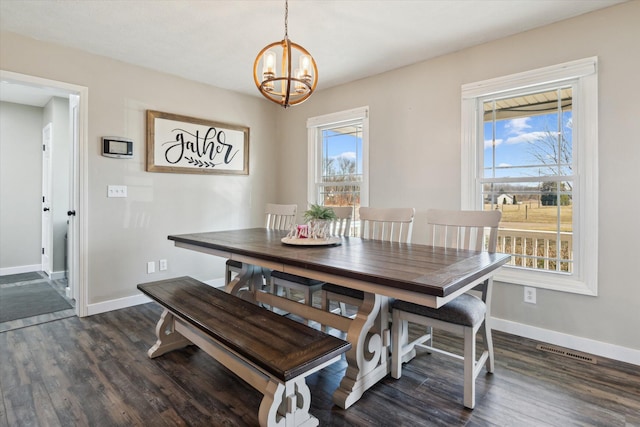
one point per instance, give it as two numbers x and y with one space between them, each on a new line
418 273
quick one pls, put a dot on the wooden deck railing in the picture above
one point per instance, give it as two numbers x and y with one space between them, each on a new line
537 249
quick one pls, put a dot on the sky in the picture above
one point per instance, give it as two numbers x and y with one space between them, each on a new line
344 145
518 140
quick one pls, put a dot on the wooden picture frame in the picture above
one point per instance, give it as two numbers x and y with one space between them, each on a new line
182 144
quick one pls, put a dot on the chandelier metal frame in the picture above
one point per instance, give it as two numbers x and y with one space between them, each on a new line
295 85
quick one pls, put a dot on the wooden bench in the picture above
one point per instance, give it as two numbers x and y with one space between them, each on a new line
274 354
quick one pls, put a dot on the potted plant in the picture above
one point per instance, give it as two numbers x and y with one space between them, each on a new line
318 218
318 212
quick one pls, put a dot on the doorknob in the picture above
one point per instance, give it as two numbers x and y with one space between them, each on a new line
71 213
46 209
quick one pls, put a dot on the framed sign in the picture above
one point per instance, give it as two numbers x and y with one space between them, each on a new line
182 144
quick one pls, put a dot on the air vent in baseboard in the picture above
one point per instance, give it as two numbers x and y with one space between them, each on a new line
567 353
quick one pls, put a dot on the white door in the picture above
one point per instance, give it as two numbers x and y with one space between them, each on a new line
47 224
72 229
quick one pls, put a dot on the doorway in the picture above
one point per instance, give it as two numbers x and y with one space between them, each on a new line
19 88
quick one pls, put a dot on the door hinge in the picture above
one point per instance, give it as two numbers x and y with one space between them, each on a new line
42 251
42 199
44 147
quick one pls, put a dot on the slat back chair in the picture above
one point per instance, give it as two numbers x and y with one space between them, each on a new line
387 224
279 280
277 217
466 314
280 217
463 229
342 224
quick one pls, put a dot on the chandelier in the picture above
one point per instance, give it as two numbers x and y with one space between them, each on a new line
288 85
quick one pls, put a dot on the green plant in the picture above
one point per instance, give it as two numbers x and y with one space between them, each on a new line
319 212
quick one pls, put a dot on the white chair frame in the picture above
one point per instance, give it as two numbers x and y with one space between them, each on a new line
459 230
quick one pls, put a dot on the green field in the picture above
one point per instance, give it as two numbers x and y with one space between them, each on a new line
530 216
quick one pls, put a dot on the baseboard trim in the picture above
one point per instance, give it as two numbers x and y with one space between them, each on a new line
5 271
597 348
586 345
116 304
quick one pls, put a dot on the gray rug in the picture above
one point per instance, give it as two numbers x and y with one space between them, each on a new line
20 277
19 302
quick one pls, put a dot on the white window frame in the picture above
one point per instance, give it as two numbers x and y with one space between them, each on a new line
315 125
583 74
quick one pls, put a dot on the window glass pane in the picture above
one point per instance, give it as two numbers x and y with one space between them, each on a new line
341 166
537 218
528 135
342 154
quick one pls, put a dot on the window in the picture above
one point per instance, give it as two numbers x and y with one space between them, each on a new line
338 159
530 150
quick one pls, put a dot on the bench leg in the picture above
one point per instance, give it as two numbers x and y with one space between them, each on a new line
286 405
168 338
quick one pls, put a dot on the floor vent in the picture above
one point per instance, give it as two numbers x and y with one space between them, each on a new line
567 353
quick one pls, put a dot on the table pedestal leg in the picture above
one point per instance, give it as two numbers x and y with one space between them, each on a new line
246 283
369 355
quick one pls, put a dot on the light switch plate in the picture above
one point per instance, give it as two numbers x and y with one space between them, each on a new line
117 191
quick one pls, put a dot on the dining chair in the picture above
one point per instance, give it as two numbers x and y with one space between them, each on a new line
467 314
277 217
287 282
386 224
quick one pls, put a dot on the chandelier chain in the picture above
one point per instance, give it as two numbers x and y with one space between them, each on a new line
286 19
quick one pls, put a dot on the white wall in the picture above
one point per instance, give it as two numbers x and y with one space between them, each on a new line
125 233
415 148
20 206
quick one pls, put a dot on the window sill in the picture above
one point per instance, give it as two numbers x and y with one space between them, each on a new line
546 280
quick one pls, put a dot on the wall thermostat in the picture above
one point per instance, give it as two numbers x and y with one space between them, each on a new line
118 147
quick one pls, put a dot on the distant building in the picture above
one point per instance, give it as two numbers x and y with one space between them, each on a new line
504 199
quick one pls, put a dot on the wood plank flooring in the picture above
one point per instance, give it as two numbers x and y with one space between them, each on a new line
95 372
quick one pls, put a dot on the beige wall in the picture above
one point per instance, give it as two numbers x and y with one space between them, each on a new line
20 206
414 159
124 234
415 155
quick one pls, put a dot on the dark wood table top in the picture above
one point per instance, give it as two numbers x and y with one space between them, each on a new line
411 267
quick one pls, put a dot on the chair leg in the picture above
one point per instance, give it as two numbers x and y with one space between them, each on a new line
343 308
227 276
488 342
469 365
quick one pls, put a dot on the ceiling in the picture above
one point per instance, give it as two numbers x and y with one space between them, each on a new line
216 41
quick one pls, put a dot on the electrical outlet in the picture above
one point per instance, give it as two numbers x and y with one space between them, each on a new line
116 191
163 264
529 295
151 267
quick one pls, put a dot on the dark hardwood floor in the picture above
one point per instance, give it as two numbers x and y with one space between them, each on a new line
95 372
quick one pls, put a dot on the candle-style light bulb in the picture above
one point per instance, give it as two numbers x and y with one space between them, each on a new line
305 61
269 62
300 88
268 70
